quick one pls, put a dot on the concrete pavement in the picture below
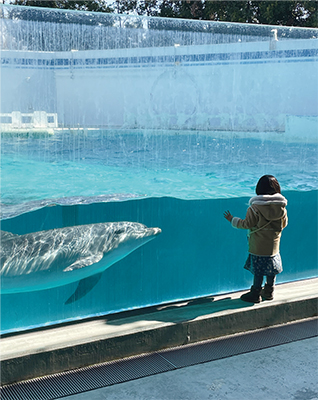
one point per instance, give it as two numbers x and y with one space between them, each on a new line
44 352
285 372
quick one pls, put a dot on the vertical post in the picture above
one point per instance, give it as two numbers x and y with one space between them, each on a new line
16 119
39 119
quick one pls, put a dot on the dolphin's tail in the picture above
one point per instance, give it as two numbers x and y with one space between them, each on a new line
84 286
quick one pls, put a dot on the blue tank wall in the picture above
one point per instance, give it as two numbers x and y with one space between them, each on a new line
197 254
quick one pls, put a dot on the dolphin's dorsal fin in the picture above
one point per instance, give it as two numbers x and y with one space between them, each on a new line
84 286
7 235
84 262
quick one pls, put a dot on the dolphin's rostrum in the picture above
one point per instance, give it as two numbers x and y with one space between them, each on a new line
47 259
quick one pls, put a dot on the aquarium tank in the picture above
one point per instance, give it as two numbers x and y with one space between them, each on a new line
123 141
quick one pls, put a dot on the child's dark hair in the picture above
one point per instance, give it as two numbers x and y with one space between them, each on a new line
267 184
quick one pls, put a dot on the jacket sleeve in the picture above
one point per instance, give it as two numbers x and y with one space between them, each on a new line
249 222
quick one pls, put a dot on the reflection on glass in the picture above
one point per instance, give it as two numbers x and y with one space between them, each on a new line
160 122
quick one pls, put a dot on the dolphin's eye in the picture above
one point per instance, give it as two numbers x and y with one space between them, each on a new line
119 231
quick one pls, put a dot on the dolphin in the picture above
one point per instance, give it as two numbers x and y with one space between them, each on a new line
57 257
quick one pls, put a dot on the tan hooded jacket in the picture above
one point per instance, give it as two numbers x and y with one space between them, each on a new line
265 219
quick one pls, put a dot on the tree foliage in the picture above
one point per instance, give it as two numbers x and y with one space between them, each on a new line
290 13
81 5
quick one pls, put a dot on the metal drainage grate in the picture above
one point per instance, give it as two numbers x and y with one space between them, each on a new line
85 379
106 374
216 349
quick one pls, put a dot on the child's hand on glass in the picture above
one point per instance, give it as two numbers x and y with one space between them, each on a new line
228 216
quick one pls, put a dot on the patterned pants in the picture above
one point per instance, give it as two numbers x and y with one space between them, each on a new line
261 266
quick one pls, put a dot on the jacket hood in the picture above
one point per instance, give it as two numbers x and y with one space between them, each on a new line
272 207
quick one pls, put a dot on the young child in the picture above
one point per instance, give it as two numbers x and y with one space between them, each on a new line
265 219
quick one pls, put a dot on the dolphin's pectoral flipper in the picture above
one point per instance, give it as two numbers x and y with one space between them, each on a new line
84 262
84 286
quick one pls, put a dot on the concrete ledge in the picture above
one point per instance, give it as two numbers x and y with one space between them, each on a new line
43 352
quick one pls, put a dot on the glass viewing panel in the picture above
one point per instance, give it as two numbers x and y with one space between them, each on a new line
113 121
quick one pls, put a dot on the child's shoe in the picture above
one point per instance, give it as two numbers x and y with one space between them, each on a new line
253 296
267 292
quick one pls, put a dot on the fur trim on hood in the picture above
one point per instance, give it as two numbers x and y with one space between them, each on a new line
267 199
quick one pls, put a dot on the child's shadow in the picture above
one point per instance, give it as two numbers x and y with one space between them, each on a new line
181 311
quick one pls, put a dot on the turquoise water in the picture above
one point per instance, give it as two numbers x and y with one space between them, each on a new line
180 183
185 166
